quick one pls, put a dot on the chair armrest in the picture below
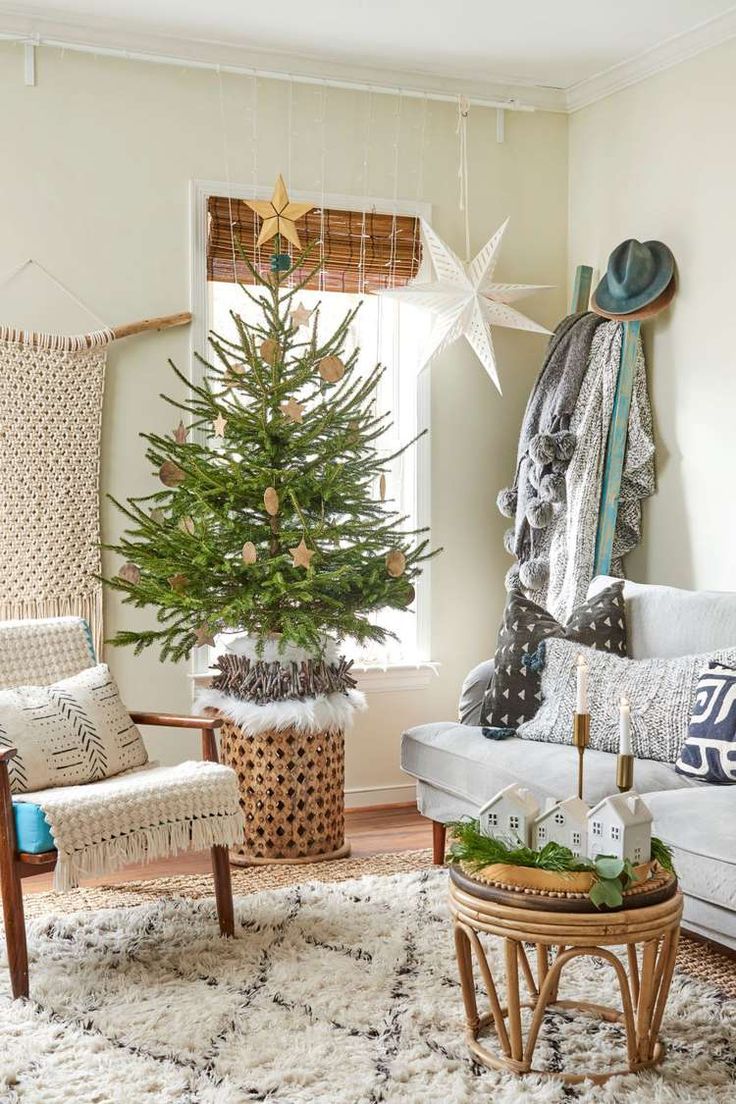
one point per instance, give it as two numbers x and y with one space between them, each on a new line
6 754
206 725
175 720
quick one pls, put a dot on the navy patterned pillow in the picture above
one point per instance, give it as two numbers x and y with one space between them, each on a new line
709 752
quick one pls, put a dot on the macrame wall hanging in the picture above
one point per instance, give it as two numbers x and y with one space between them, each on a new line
51 390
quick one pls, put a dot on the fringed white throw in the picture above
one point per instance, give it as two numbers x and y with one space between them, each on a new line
51 391
139 816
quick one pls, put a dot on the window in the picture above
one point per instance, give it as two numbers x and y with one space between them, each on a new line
559 818
576 839
361 253
637 854
597 828
541 833
493 819
514 823
615 832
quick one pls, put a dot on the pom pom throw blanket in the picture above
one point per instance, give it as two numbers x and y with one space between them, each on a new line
51 392
555 499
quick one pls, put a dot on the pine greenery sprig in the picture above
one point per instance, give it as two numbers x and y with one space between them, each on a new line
611 875
324 468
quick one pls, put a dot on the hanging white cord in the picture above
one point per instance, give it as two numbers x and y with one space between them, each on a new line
416 249
254 142
463 109
289 125
226 155
55 341
323 163
397 139
363 234
422 148
288 150
75 298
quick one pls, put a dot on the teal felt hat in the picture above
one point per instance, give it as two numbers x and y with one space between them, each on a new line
637 274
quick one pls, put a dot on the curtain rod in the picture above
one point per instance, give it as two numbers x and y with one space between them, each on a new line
265 74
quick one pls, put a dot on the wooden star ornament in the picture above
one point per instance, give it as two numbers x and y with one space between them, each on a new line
299 316
301 555
293 410
218 426
180 434
204 637
279 215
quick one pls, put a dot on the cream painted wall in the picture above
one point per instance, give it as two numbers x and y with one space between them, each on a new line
96 189
658 160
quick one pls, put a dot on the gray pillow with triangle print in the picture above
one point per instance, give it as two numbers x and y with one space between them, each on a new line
514 693
72 732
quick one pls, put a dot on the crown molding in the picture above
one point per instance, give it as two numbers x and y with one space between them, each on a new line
115 39
665 55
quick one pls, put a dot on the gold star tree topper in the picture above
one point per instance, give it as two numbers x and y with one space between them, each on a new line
279 215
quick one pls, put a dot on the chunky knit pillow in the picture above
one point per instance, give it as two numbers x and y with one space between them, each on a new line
73 732
661 693
513 695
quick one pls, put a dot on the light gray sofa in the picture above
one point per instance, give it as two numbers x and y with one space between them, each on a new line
457 768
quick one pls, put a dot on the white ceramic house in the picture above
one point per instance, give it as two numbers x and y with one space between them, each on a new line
564 822
621 825
509 814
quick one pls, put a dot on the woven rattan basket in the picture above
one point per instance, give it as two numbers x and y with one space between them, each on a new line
291 792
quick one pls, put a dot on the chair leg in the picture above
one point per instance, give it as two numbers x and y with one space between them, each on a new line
439 832
15 925
223 890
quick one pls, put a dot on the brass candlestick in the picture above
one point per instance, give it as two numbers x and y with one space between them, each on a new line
580 738
625 772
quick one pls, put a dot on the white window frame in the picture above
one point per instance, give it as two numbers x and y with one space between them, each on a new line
391 677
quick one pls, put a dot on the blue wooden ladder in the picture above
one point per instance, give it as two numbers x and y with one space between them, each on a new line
618 430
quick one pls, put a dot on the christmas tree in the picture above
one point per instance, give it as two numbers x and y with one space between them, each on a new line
271 518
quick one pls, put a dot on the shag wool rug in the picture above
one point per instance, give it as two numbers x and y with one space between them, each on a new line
332 993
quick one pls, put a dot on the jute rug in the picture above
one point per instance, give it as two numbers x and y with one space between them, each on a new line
339 992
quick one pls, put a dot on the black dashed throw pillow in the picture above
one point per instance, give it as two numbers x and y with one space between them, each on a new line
514 695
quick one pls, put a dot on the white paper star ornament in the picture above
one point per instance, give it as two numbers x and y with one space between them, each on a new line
463 299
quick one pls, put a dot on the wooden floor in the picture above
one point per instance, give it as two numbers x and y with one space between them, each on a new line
370 831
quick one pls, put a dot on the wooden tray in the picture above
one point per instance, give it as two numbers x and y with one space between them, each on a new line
659 886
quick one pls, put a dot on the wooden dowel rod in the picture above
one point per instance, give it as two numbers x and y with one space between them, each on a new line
164 322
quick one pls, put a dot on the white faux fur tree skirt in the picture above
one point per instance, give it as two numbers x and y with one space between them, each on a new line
330 994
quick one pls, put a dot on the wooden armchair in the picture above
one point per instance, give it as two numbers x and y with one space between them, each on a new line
16 865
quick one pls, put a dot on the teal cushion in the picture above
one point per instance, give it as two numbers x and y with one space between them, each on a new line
32 833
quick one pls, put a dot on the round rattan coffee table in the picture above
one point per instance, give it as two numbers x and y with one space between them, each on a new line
648 925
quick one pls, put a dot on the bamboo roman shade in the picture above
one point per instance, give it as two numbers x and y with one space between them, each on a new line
362 252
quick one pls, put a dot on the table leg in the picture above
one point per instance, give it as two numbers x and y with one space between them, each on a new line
467 983
667 967
542 964
646 998
512 998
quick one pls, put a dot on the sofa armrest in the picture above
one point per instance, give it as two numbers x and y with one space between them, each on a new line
473 690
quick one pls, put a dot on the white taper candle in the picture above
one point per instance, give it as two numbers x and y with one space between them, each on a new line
624 728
